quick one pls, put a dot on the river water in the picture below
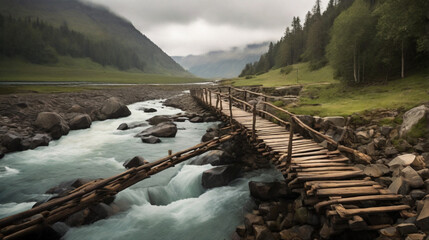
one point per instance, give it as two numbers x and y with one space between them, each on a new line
169 205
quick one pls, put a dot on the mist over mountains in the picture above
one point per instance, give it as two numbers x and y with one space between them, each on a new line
222 64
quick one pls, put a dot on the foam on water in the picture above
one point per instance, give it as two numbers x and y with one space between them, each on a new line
168 205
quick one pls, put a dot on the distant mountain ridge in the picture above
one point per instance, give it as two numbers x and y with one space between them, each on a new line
222 64
97 23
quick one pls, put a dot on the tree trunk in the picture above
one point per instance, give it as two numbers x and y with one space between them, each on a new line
354 64
403 60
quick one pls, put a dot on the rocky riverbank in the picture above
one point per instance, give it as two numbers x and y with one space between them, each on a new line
23 127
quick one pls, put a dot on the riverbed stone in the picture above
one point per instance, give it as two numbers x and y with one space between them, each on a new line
252 219
241 230
196 119
122 126
403 160
135 162
114 108
53 123
219 176
399 186
36 141
412 177
164 129
376 170
389 232
262 233
80 121
149 110
150 139
417 194
12 141
412 117
415 236
214 157
406 228
423 217
159 119
264 190
390 151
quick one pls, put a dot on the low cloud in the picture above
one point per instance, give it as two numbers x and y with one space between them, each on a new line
197 26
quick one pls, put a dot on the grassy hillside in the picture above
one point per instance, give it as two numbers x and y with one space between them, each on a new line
96 23
80 70
324 96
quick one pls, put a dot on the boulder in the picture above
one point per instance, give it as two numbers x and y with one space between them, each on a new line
36 141
149 110
158 119
210 119
209 135
416 236
214 157
113 108
122 126
262 233
307 119
412 177
150 139
180 119
265 190
412 117
241 230
164 129
250 220
76 109
417 194
390 151
196 119
419 163
424 173
135 162
80 121
219 176
12 141
403 160
53 123
406 228
399 186
385 130
389 232
423 217
335 120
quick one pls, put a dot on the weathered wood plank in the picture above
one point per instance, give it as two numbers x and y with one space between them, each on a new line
392 197
347 191
371 210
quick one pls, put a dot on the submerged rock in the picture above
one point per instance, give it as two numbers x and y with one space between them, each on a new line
150 139
219 176
164 129
149 110
159 119
135 162
214 157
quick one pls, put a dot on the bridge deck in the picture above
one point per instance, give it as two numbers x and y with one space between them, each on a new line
328 180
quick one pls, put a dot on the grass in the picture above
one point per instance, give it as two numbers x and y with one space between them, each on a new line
46 89
80 70
325 96
275 78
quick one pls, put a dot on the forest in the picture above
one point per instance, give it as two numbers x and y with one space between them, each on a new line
363 40
41 43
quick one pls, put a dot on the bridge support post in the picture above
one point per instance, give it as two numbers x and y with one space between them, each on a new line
210 97
265 105
245 99
289 148
254 122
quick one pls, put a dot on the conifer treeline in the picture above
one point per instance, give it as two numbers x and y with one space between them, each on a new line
363 40
41 43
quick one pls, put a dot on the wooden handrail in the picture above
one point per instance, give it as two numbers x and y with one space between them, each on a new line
361 156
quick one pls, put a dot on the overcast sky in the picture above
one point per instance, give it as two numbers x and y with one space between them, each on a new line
183 27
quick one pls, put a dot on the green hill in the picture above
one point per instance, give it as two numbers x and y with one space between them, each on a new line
97 24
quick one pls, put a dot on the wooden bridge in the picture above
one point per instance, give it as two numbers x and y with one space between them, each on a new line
28 223
326 178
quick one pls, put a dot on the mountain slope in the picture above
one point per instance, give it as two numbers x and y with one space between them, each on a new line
97 23
222 64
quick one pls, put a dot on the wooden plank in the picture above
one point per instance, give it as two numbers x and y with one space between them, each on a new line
392 197
341 184
323 159
370 210
338 175
310 157
327 169
347 191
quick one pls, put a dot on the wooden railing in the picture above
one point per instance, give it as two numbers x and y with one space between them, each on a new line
25 223
223 93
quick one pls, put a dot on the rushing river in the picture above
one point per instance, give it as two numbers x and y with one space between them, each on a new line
169 205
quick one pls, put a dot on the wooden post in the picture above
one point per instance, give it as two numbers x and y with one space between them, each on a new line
217 102
220 102
210 97
289 148
254 122
245 99
230 108
265 105
207 97
170 152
